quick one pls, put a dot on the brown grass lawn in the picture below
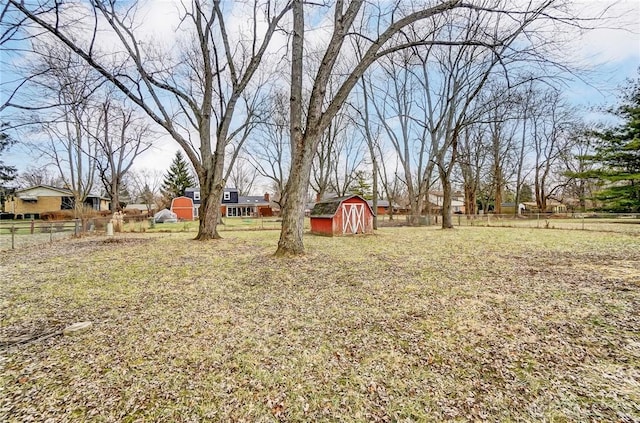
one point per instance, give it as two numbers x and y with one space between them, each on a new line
496 324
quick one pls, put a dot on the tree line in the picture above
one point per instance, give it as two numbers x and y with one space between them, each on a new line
419 94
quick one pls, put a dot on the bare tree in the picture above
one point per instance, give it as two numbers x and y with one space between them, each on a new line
400 103
268 149
144 186
243 176
321 109
39 176
472 159
371 135
199 86
348 157
121 137
552 123
500 122
69 128
393 32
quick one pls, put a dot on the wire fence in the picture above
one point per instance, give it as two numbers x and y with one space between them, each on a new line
608 222
22 233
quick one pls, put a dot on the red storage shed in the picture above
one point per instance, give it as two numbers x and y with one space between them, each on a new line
342 216
183 208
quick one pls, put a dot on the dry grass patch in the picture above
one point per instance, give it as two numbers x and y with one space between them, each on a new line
408 325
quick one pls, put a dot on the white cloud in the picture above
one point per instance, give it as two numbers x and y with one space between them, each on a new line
615 37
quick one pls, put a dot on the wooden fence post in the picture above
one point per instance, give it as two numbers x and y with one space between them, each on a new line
13 236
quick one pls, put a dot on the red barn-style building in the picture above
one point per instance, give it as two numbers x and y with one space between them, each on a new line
339 216
182 207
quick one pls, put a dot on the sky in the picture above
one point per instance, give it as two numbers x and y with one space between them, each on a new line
607 56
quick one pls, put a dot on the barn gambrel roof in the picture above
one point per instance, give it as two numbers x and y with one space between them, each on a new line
327 208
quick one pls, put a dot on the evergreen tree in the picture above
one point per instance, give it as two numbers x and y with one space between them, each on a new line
617 155
361 185
526 193
177 179
7 173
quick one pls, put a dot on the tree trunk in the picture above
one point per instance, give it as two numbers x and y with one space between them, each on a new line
497 208
469 199
374 201
295 196
115 200
114 194
414 208
447 221
209 212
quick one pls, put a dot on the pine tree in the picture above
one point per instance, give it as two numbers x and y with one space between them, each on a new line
177 179
7 173
618 157
361 185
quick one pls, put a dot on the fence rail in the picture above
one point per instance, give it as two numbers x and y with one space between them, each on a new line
611 222
23 233
17 234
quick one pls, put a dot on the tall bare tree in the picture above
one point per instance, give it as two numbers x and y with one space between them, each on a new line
268 148
393 30
144 187
243 176
121 137
322 108
198 86
552 124
69 128
402 108
473 156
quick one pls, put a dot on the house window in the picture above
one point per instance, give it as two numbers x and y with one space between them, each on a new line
67 203
227 195
196 195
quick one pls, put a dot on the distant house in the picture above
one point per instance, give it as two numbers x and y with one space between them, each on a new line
234 204
553 206
347 215
510 208
33 201
383 207
436 200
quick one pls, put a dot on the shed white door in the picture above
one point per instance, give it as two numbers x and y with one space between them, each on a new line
352 218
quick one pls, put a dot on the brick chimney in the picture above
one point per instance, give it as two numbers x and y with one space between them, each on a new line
267 198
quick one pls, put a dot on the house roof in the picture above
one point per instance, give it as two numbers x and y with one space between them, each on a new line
140 206
328 207
382 203
255 200
24 193
194 189
49 187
